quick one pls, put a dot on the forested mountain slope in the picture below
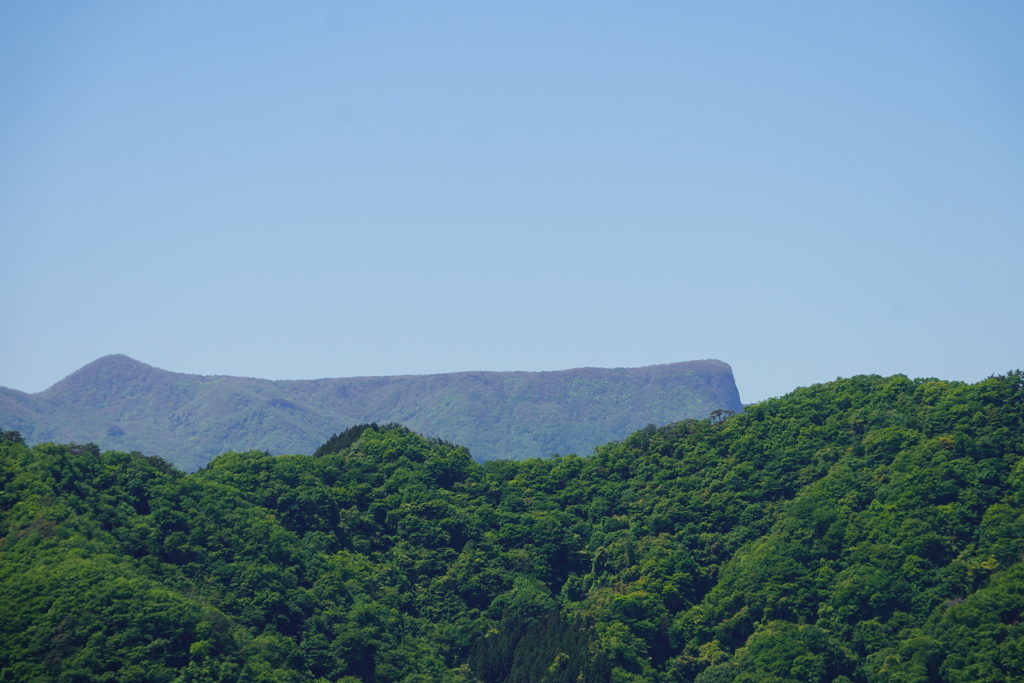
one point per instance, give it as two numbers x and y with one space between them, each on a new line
869 529
122 404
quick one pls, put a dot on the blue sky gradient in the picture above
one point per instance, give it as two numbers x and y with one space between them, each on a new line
324 189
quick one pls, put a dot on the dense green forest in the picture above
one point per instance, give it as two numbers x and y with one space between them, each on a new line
868 529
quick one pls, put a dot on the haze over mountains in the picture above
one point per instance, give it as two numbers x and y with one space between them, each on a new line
123 404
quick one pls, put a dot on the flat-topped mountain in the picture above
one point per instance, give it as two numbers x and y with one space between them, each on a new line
120 403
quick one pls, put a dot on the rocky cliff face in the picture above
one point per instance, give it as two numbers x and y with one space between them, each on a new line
120 403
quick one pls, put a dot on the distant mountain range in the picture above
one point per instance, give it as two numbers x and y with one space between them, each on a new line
122 404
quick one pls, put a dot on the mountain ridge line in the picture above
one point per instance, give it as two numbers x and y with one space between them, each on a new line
122 403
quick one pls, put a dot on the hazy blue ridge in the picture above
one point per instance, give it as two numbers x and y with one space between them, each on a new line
123 404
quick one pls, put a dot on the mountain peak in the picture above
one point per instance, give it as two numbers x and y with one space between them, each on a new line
115 360
114 370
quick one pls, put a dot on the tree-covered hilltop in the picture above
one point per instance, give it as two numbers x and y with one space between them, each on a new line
122 404
869 529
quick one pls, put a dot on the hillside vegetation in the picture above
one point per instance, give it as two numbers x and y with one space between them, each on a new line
869 529
122 404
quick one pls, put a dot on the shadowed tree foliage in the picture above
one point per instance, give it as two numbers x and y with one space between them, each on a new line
339 442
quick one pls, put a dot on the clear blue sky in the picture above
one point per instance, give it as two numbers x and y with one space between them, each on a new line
804 190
